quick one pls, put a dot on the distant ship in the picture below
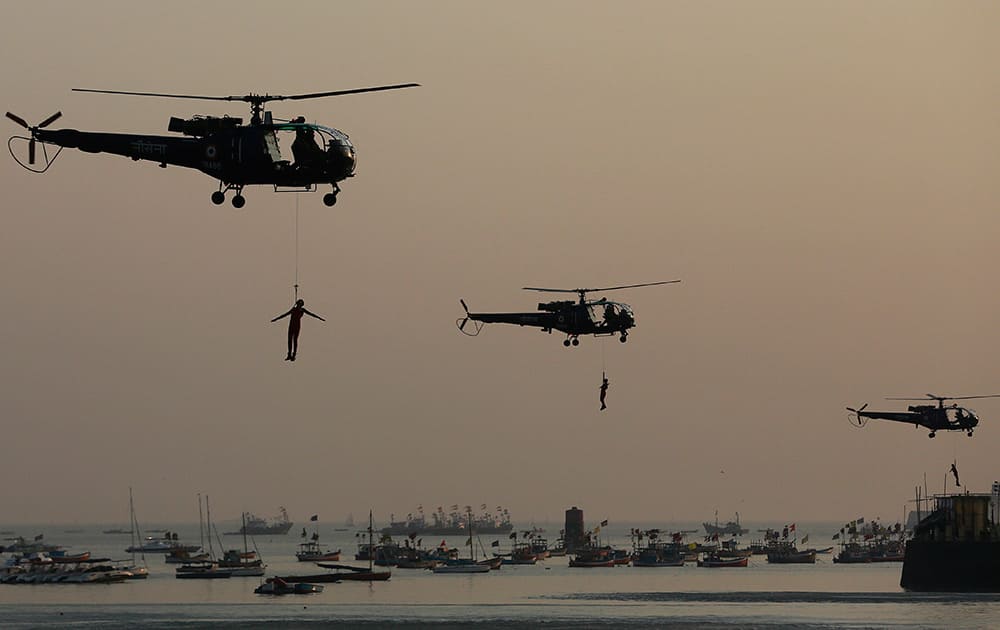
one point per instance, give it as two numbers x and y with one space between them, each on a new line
256 526
732 528
454 523
956 548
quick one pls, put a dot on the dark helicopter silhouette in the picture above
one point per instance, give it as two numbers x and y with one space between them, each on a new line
224 148
586 317
934 417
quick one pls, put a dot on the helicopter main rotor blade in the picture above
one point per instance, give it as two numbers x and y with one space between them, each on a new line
31 150
51 119
624 286
18 120
156 94
380 88
632 286
550 290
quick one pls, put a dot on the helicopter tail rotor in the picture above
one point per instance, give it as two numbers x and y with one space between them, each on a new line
856 418
462 321
32 140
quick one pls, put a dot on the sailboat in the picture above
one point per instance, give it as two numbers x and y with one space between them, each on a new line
205 570
464 565
345 571
135 572
246 563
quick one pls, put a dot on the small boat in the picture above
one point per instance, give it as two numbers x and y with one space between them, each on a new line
357 574
280 586
202 571
824 550
312 552
493 563
721 562
61 557
593 557
182 556
791 555
465 565
462 566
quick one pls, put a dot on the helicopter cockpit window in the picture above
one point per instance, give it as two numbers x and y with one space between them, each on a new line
958 415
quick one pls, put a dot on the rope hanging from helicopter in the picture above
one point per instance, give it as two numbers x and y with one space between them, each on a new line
296 297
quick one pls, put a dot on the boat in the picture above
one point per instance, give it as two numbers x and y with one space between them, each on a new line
657 553
454 523
732 528
955 548
244 563
208 569
116 531
280 586
592 557
180 556
344 572
312 552
720 562
786 553
256 526
465 565
202 571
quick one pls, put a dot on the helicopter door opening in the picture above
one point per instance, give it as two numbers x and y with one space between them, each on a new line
607 316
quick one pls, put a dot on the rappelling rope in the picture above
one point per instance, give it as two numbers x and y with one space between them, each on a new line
296 249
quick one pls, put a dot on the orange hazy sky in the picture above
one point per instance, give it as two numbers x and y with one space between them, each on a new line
823 177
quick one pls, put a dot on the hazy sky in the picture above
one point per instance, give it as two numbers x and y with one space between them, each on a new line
823 177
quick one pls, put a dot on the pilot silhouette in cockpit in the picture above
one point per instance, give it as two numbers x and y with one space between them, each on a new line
305 149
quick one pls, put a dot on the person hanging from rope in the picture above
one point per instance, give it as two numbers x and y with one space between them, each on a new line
954 471
604 390
294 315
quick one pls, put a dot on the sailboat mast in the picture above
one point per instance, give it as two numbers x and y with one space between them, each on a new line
132 524
246 549
472 550
371 546
208 519
201 523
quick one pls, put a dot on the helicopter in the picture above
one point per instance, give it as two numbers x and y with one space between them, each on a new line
600 318
223 147
934 417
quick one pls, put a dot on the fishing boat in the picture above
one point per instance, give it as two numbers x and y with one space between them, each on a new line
312 551
720 562
786 553
257 526
732 528
592 557
657 553
244 563
346 572
464 565
280 586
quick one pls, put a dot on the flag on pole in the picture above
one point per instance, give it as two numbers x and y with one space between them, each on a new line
861 520
604 523
314 517
836 536
791 527
805 539
495 543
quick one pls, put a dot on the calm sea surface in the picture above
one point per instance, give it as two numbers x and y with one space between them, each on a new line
550 593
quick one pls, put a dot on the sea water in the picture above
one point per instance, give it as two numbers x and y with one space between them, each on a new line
550 593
